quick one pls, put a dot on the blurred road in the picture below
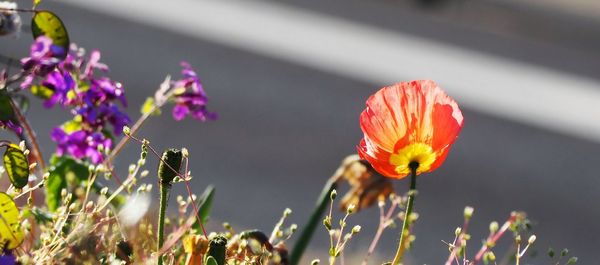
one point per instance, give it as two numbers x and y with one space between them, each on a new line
288 118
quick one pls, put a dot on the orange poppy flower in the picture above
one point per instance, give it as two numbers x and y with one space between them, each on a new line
412 122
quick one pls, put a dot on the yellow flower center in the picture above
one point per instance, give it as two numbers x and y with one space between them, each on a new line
413 153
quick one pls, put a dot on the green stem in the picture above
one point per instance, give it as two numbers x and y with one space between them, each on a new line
404 235
313 222
164 197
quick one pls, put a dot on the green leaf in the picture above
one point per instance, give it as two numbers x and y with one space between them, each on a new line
211 261
6 111
148 106
16 165
10 227
49 24
205 206
63 169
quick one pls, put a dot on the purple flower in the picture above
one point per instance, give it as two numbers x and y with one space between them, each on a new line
193 104
60 83
11 126
104 89
193 99
43 57
98 115
94 63
8 258
74 84
81 144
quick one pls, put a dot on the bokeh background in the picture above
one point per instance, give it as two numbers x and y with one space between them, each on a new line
290 77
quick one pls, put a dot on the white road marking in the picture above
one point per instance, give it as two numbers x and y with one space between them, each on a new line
525 93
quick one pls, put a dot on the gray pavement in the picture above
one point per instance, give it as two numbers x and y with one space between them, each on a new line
284 128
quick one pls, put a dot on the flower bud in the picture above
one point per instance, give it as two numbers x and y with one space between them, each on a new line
327 222
351 208
531 239
169 166
333 194
22 146
457 231
494 227
132 168
89 206
489 256
356 229
217 249
468 213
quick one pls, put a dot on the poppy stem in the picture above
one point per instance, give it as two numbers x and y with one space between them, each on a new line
404 234
164 197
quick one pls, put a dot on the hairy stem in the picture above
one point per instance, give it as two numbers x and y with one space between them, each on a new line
383 223
164 197
404 234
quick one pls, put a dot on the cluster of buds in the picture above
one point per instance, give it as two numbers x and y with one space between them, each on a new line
339 240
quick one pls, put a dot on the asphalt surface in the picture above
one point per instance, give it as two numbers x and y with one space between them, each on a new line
283 129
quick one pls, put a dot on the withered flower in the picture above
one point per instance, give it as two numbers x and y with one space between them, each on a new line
367 186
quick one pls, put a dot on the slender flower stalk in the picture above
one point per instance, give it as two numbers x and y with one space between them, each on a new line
384 221
313 221
493 238
460 238
404 234
138 124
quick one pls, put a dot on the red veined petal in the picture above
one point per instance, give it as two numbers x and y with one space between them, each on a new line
378 158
